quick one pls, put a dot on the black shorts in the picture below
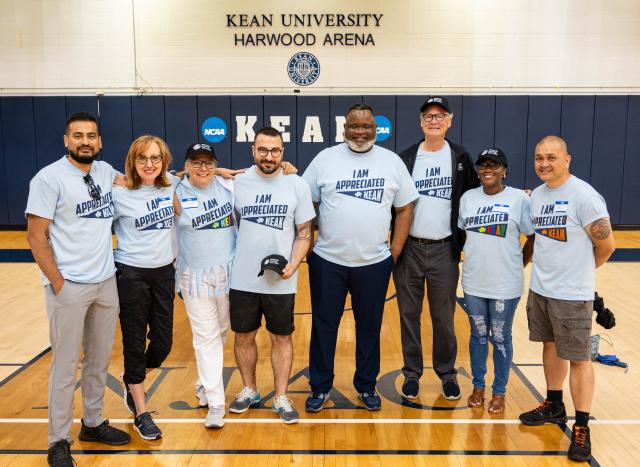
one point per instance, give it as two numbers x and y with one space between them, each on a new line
246 310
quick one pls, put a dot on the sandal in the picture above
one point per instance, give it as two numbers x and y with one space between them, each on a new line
496 404
476 399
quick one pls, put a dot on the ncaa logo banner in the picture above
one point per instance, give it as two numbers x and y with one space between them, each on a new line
214 129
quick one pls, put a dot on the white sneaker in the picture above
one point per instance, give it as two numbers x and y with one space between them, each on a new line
247 398
283 406
201 394
215 417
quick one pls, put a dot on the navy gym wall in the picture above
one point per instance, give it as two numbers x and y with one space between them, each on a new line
603 133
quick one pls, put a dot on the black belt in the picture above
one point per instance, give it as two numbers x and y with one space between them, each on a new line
428 241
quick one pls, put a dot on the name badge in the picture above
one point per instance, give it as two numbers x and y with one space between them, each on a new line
189 203
165 202
561 206
501 208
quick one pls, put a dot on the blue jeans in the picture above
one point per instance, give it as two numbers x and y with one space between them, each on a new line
491 320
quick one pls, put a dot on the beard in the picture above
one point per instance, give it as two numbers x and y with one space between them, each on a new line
364 147
268 170
85 159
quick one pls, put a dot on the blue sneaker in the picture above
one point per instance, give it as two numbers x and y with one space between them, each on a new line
244 400
371 400
315 401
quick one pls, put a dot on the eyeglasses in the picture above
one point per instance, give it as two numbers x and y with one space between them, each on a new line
492 165
93 189
275 152
354 127
142 160
200 164
429 117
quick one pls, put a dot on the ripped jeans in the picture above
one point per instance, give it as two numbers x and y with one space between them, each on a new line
491 321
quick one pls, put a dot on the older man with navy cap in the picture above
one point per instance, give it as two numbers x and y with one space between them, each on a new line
442 171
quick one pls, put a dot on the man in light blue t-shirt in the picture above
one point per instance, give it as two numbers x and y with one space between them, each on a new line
573 238
355 184
69 213
274 232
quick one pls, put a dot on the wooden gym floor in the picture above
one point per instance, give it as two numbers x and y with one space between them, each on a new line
431 431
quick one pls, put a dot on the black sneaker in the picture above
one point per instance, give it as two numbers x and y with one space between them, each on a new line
544 413
410 389
104 433
580 447
451 390
129 404
146 427
59 454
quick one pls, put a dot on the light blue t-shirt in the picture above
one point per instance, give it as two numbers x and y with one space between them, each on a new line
206 233
432 176
492 266
143 224
356 192
563 263
269 210
80 231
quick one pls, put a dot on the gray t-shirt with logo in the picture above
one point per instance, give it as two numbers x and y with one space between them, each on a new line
356 192
492 266
269 210
563 261
143 225
432 177
80 231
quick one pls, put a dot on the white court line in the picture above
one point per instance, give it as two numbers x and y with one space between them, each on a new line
332 421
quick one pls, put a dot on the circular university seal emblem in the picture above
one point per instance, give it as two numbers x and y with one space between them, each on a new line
303 68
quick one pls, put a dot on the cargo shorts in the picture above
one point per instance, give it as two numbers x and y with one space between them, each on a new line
565 322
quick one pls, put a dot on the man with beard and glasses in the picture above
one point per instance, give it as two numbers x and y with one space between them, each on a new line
442 171
274 217
355 185
69 213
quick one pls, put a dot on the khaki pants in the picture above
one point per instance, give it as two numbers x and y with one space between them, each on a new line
81 316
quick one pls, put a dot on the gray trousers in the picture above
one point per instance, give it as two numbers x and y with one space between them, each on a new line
433 263
81 316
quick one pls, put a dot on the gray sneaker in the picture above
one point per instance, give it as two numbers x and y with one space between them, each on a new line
244 400
283 406
215 417
201 394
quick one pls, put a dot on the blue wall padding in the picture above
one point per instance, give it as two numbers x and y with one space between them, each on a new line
602 132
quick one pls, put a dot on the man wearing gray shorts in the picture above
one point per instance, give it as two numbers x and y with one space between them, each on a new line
69 212
573 238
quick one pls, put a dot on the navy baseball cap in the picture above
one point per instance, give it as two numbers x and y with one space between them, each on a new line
276 263
493 154
436 100
200 149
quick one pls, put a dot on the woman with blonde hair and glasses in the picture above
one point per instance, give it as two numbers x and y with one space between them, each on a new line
145 274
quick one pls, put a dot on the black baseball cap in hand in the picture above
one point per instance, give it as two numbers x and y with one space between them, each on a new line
276 263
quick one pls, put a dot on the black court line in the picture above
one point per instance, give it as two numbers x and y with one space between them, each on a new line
25 366
356 452
24 255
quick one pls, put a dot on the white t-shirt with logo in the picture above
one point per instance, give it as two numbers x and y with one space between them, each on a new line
492 266
356 192
563 260
80 231
432 177
143 225
269 210
206 233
